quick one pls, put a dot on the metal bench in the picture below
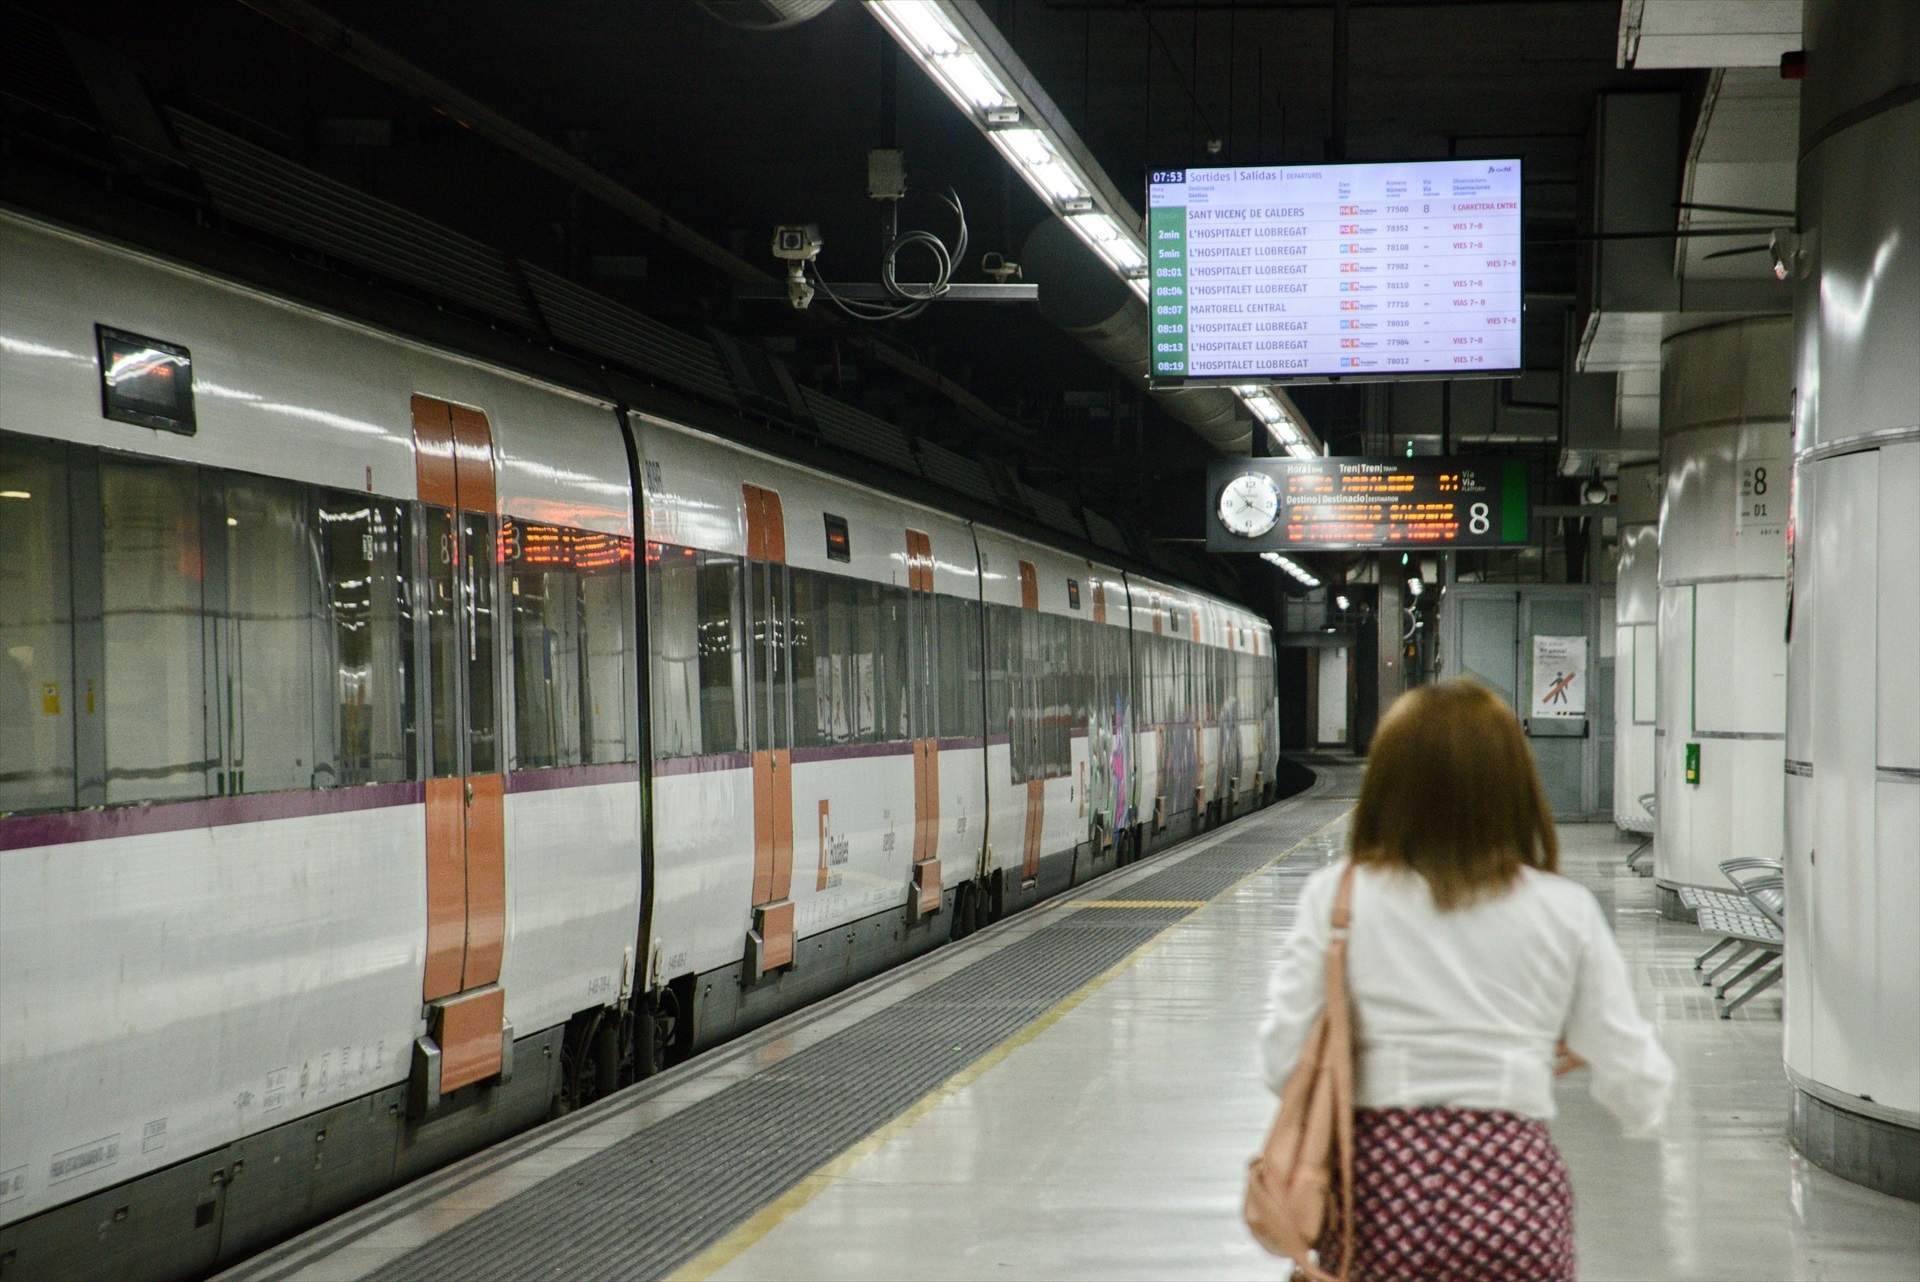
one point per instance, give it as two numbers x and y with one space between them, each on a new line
1640 861
1751 921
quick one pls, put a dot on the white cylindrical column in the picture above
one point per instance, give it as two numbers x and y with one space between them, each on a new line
1725 453
1853 719
1636 649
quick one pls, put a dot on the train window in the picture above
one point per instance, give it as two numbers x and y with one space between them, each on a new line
483 643
807 638
37 689
154 693
144 381
893 674
864 674
265 641
551 702
844 684
695 629
959 665
365 693
567 591
998 660
443 641
605 566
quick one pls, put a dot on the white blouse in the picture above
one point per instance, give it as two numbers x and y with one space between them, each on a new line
1463 1009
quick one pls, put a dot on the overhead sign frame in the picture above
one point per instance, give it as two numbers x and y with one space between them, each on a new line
1345 504
1360 230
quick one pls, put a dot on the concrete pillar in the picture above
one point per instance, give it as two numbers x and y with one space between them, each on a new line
1725 452
1636 650
1853 714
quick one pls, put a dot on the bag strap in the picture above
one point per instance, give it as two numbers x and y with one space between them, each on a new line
1343 900
1343 1101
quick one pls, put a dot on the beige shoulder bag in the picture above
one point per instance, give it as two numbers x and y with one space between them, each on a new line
1308 1157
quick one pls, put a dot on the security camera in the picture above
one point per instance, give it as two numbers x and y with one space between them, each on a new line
797 242
796 245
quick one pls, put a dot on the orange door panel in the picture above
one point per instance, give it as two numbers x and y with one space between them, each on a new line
772 907
763 829
776 935
1036 816
782 790
486 880
433 452
446 887
469 1031
930 798
472 459
465 813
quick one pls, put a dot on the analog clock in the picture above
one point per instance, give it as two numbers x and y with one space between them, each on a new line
1250 504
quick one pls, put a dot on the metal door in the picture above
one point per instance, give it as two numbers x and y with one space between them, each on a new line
1490 632
770 940
922 695
464 792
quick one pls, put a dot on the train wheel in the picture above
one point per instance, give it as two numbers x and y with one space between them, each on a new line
589 1060
658 1029
964 917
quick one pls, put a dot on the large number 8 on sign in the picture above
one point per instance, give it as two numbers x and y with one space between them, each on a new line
1478 519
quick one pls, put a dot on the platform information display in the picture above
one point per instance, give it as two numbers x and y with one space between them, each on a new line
1367 272
1428 502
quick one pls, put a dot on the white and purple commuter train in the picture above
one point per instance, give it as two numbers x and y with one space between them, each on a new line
396 748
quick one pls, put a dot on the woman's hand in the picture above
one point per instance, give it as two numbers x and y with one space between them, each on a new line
1566 1060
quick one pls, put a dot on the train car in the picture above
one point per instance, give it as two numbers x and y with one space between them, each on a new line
396 749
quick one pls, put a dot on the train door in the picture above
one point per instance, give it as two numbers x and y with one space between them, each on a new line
465 831
770 942
923 694
1027 720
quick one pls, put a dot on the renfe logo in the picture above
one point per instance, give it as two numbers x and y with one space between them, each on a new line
1500 169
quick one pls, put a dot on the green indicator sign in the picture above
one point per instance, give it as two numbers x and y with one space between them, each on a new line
1693 764
1167 275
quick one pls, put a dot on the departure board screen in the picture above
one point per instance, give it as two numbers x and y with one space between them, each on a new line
1274 504
1367 272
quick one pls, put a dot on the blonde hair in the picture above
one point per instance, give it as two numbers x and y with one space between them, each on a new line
1452 794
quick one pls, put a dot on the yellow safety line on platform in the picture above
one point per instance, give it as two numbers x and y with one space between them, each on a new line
1142 903
770 1216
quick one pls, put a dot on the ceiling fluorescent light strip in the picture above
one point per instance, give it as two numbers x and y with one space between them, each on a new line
1291 567
931 34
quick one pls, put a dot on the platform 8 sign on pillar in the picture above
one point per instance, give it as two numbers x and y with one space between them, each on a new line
1762 497
1559 678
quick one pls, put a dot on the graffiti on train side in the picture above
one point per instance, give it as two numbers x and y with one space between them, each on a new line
1109 733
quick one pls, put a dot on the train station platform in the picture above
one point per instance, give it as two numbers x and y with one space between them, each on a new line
1073 1094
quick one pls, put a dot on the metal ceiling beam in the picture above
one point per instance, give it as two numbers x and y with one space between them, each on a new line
329 33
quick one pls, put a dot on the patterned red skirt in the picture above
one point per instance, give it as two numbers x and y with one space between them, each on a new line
1455 1195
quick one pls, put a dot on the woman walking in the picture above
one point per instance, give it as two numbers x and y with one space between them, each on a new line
1475 974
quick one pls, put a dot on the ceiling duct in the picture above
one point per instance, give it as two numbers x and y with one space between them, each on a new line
1082 296
764 15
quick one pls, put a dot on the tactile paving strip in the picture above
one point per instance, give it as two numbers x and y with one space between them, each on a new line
647 1204
1208 874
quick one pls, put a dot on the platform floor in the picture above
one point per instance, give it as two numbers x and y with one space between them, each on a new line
1104 1133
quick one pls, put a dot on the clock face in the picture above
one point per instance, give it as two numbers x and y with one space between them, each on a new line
1250 504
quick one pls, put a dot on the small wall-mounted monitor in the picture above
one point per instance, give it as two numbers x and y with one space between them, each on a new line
1318 273
145 381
